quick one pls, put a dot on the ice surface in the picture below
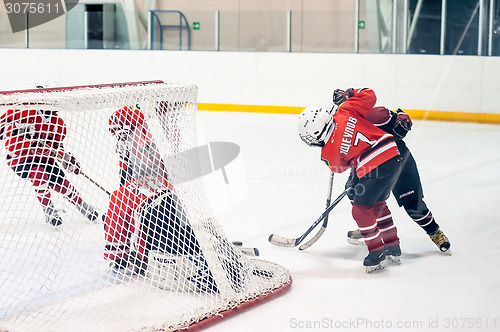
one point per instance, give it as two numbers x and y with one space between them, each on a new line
279 185
286 188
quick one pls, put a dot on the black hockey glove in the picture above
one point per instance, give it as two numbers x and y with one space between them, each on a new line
403 124
352 181
339 96
70 163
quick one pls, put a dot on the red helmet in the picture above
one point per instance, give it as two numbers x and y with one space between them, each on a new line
124 120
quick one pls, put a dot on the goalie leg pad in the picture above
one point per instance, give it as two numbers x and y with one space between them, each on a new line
180 273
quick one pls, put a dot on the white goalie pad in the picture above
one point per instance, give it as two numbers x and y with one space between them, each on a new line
179 273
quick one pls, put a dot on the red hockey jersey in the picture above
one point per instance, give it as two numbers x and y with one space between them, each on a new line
32 133
355 142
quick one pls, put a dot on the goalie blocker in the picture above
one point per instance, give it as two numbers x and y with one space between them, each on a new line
148 233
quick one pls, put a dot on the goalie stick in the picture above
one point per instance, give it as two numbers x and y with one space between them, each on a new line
282 241
325 221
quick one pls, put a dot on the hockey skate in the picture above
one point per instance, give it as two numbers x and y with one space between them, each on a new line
119 265
441 241
130 264
137 264
87 211
393 254
52 215
375 261
355 237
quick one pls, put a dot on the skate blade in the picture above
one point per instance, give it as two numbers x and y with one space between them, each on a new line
379 267
447 252
356 242
394 259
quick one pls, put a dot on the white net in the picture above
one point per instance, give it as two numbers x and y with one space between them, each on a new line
104 224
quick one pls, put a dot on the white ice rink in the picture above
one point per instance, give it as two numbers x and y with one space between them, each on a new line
279 185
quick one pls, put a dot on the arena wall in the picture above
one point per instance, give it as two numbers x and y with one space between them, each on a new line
455 88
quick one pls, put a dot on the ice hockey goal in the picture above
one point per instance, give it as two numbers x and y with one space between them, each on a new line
104 224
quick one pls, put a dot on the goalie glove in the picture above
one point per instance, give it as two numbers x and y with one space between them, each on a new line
403 124
69 163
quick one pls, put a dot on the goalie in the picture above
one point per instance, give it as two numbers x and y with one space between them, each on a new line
146 228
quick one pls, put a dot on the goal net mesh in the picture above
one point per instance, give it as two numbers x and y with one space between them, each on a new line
104 221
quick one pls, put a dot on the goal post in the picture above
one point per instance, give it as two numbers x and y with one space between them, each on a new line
104 221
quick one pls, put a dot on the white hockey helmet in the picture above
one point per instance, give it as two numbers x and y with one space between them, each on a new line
315 124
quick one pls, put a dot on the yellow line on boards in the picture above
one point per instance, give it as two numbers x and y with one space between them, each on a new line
414 114
454 116
250 108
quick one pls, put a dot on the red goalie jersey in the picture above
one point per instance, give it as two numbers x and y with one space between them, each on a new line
355 142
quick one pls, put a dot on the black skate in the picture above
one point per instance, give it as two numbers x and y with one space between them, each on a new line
375 260
393 254
87 211
119 265
52 215
55 221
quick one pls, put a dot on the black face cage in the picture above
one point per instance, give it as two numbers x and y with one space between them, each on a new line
312 141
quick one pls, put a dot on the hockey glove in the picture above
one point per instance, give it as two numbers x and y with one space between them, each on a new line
339 96
70 163
352 181
403 124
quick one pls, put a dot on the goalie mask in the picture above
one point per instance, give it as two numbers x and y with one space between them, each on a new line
315 124
122 123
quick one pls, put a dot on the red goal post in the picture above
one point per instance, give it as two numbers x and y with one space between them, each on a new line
142 254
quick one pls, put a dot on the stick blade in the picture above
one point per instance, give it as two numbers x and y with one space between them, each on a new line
281 241
314 239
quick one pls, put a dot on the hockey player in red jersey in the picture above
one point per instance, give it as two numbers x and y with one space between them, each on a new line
138 153
348 140
407 190
34 142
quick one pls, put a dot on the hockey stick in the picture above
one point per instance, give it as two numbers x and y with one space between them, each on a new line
95 183
246 251
60 158
325 221
281 241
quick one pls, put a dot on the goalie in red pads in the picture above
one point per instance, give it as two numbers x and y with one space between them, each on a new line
35 151
146 214
145 222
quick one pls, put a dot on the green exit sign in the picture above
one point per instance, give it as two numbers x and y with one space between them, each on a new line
196 25
361 25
